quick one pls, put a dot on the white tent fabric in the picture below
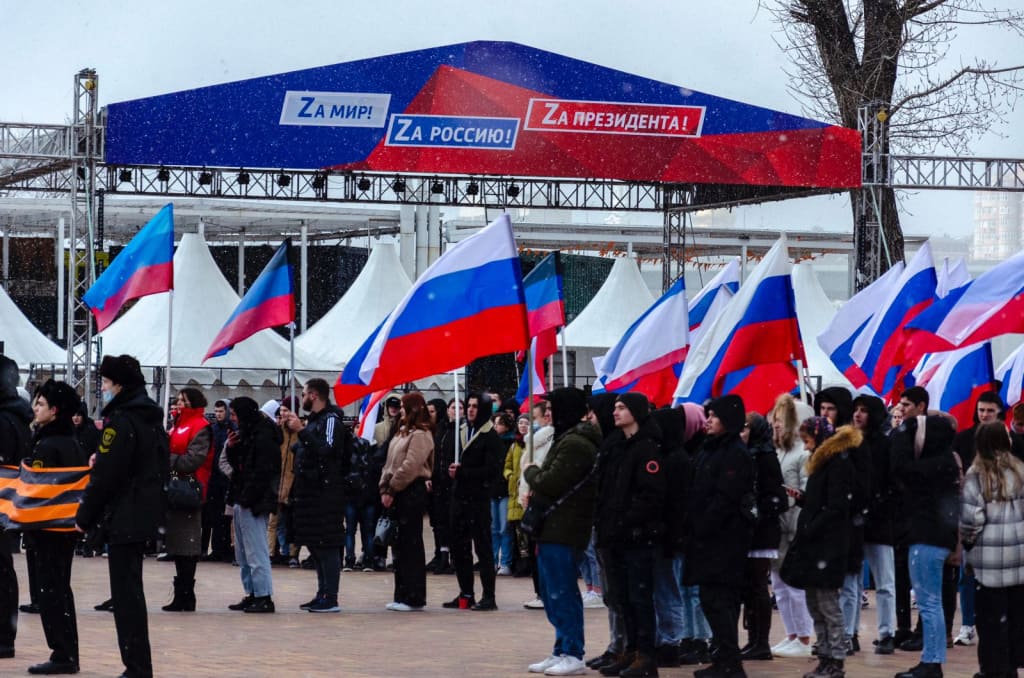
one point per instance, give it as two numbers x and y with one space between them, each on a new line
203 300
814 311
620 301
382 283
23 343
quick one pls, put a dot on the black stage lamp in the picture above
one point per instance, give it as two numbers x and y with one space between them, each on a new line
124 176
163 174
205 178
512 190
437 188
243 178
399 185
364 184
283 180
473 188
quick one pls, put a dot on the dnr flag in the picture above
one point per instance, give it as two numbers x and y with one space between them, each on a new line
41 498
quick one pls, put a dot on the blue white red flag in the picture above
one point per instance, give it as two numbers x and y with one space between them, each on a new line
468 304
877 351
951 276
536 374
1011 373
270 302
145 266
368 410
757 329
545 303
955 379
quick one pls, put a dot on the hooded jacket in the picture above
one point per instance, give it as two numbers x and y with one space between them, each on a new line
841 398
678 476
772 500
878 527
482 458
930 477
256 464
15 435
631 489
819 554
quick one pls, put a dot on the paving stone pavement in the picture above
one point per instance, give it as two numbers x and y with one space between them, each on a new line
364 639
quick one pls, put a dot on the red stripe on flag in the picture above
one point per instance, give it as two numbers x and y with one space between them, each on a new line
145 281
273 312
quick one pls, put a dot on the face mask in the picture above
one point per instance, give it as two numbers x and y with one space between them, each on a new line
107 396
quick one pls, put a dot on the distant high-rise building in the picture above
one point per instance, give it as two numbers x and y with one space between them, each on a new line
998 225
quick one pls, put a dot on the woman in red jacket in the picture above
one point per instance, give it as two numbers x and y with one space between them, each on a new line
191 441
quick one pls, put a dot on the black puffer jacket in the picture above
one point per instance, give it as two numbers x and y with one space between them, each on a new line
772 500
631 489
678 476
256 464
878 529
15 435
931 478
125 495
323 458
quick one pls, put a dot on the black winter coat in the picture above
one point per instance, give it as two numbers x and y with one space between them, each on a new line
55 446
881 506
323 457
720 533
480 466
772 500
818 556
125 495
631 489
860 498
678 476
15 435
256 464
88 437
931 481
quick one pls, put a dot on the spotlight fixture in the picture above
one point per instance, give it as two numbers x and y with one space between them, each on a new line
399 185
243 178
512 191
318 181
283 180
124 176
437 188
163 174
364 184
81 173
205 178
473 188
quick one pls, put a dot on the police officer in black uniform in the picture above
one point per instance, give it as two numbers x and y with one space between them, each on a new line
54 445
125 499
15 438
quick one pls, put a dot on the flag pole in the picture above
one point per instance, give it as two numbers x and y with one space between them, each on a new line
291 361
565 360
800 370
551 372
458 412
529 396
165 406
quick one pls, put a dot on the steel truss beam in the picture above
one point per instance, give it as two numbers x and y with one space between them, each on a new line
965 174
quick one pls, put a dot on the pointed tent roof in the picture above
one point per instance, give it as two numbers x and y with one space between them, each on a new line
23 343
620 301
203 300
382 283
814 311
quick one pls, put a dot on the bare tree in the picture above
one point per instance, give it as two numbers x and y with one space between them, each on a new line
894 55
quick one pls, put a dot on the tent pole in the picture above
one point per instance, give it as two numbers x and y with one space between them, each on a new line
170 327
458 413
291 360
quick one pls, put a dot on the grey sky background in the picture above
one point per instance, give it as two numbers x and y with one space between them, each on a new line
725 48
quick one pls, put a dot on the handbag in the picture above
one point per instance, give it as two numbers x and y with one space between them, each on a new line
534 516
184 492
386 533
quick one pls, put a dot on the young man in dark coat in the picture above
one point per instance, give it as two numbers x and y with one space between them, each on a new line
721 529
481 457
630 527
323 458
54 446
125 499
817 560
834 403
15 437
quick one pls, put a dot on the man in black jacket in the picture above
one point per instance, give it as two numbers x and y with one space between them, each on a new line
15 415
55 446
721 529
630 525
125 499
216 532
476 469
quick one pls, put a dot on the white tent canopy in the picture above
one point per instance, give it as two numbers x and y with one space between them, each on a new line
332 341
620 301
814 312
23 343
203 300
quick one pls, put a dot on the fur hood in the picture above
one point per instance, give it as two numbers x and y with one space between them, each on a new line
845 438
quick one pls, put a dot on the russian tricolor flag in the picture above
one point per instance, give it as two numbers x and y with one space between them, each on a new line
270 302
145 266
758 329
877 351
1011 373
468 304
535 375
955 379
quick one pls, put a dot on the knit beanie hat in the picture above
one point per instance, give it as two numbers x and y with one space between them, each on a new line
637 404
731 411
123 370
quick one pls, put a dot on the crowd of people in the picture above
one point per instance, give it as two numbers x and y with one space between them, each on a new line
687 523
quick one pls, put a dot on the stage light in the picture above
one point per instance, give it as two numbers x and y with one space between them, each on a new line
364 184
283 180
163 174
318 181
205 178
437 188
399 186
81 173
124 176
512 191
243 178
473 188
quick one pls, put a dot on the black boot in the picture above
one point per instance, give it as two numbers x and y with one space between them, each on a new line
444 564
644 666
184 596
621 663
696 654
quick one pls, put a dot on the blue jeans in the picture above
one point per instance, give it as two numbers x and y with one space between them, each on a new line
695 624
557 566
967 589
926 577
882 561
252 552
365 518
668 600
501 536
282 530
590 569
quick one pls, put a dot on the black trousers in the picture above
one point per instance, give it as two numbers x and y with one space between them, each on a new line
630 593
54 553
999 619
471 530
410 560
28 545
721 606
8 592
757 602
125 564
440 503
901 561
216 532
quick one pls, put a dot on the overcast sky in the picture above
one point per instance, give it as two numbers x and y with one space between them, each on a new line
724 48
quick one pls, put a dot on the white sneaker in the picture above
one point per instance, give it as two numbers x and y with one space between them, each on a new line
965 637
784 643
535 604
592 599
568 666
794 649
545 664
504 571
402 607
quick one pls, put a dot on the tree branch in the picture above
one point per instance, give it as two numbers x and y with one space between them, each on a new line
956 76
